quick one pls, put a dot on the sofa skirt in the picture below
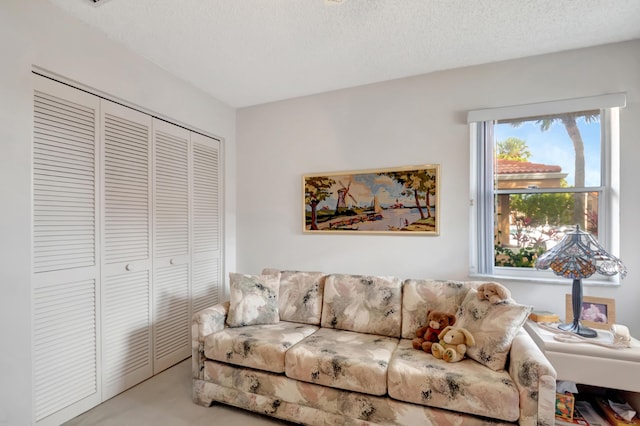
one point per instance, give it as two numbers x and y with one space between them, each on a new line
278 396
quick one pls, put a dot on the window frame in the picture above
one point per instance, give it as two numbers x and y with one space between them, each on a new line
481 226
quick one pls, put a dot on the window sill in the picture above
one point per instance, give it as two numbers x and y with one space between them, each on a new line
613 281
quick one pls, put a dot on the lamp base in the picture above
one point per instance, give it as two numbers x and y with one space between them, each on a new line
579 329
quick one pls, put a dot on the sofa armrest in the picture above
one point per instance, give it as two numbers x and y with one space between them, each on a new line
535 379
204 323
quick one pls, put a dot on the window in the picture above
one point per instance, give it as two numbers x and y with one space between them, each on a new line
539 170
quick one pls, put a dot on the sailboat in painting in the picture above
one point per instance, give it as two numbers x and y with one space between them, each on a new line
377 210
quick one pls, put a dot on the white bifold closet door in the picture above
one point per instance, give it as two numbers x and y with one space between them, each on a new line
65 247
187 235
207 228
126 255
126 246
171 269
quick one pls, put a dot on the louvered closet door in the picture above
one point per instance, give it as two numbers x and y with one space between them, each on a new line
171 292
65 308
126 257
207 231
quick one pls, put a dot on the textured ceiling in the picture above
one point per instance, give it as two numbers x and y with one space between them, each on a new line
247 52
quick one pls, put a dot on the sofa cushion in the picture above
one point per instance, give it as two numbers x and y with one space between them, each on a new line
257 346
465 386
342 359
253 299
301 296
421 296
366 304
493 325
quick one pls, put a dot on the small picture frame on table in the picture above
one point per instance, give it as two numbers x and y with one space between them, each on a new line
597 312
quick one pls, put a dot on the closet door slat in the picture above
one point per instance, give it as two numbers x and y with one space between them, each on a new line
126 331
63 183
126 188
171 193
172 321
65 349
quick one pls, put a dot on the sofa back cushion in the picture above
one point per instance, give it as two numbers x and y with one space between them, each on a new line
253 299
421 296
366 304
301 296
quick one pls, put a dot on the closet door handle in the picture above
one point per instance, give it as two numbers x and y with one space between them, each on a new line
172 261
130 267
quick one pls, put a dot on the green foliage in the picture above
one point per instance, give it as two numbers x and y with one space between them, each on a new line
554 208
316 189
513 149
321 216
525 257
421 181
416 182
588 116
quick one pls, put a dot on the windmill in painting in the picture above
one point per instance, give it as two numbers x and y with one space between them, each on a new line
343 193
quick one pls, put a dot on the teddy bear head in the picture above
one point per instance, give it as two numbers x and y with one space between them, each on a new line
456 336
439 320
493 292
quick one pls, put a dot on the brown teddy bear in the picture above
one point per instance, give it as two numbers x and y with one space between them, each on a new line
493 292
428 334
453 343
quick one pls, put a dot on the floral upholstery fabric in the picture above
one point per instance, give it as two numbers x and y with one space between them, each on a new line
535 378
301 296
493 325
465 386
256 346
271 271
312 382
363 303
209 320
311 404
342 359
203 323
253 299
421 296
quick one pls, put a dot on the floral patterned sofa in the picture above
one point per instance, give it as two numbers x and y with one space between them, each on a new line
320 349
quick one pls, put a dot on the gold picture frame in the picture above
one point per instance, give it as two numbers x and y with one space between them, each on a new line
597 312
401 201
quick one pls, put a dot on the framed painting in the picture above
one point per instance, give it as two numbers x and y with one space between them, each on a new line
597 312
401 201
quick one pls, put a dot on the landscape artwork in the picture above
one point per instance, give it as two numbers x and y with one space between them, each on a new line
403 201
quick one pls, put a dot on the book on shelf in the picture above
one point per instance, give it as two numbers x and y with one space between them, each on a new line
613 418
564 406
544 316
577 419
590 414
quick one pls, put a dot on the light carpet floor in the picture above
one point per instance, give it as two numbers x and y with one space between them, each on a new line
165 400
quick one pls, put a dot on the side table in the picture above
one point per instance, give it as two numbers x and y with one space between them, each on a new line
590 364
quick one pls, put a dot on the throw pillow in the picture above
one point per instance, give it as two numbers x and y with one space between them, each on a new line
253 299
493 325
301 295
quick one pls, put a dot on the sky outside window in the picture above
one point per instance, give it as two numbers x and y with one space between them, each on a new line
554 147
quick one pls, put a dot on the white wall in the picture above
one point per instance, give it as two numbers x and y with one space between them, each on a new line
34 32
415 121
